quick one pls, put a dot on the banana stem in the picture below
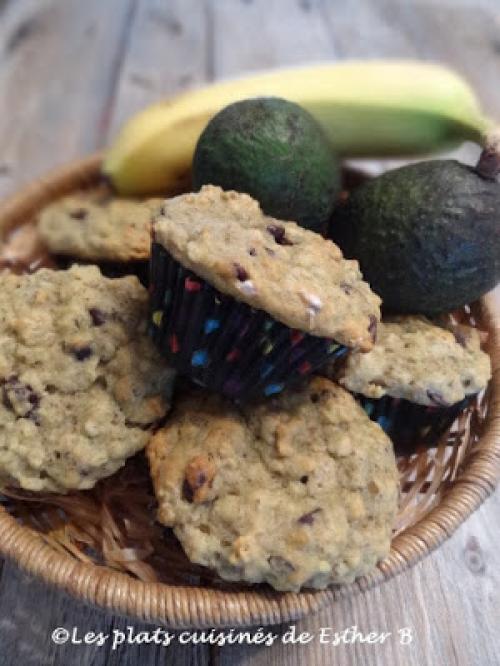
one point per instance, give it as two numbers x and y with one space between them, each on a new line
488 165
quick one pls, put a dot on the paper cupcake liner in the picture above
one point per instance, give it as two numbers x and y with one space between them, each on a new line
225 345
409 424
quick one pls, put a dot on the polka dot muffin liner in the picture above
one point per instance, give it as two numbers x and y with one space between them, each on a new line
225 345
409 424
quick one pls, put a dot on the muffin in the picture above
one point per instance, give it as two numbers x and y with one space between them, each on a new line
81 385
418 377
98 227
243 303
298 491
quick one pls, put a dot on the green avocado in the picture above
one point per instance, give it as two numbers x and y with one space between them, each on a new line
275 151
426 235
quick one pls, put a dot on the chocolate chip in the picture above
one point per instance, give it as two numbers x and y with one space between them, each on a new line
304 479
241 273
279 565
308 518
278 233
199 474
79 214
346 288
270 252
252 252
20 398
34 399
460 338
81 353
316 397
5 399
199 480
372 328
98 317
34 416
187 492
437 399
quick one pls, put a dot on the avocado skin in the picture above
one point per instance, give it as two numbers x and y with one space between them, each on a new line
274 151
427 235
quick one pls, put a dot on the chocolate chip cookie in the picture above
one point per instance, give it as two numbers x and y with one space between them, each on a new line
81 386
416 360
299 491
293 274
99 228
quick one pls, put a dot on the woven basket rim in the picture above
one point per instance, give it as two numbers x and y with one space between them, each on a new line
185 607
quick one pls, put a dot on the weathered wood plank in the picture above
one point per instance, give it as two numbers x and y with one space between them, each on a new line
169 50
30 611
360 30
259 34
79 55
58 66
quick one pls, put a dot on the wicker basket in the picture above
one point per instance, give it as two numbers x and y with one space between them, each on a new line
440 489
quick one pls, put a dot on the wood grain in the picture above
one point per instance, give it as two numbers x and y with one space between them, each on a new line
30 611
59 63
260 34
70 73
169 49
370 35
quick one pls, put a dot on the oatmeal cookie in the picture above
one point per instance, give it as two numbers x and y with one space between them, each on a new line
99 229
418 361
293 274
81 386
299 491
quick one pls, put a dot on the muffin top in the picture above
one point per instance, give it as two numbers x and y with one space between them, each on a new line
295 275
421 362
301 490
97 227
81 385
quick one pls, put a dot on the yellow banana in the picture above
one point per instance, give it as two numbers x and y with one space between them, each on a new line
370 108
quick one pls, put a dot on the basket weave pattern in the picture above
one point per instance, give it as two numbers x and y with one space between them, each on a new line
440 488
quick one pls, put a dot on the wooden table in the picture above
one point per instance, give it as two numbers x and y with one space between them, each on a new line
70 72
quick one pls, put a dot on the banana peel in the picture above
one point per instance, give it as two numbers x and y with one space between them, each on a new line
367 109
